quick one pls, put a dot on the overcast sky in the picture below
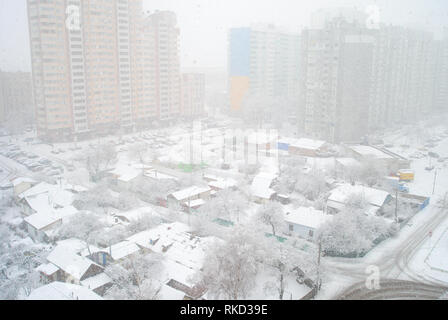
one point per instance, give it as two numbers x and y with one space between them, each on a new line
204 23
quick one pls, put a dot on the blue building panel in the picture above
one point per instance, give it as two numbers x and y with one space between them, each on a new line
283 146
239 60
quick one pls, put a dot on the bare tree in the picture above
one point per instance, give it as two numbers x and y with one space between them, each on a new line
100 159
84 226
230 268
134 278
271 214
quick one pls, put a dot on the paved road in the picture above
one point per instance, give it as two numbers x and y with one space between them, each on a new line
391 289
394 263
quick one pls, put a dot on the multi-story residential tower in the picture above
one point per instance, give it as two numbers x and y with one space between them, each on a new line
193 94
403 76
102 66
441 77
161 27
336 70
262 61
16 99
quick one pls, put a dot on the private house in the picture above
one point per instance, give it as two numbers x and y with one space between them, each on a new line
48 272
261 187
184 256
346 168
122 250
190 194
40 224
98 283
73 268
123 176
339 197
136 215
308 147
21 184
304 222
63 291
153 174
221 184
44 196
389 159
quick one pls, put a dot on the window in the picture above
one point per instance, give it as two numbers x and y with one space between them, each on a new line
291 227
311 233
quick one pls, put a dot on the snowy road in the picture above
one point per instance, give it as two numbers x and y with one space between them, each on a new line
394 289
402 257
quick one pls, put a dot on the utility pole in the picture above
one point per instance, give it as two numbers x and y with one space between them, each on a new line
318 265
434 183
396 205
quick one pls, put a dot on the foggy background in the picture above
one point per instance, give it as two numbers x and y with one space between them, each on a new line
204 23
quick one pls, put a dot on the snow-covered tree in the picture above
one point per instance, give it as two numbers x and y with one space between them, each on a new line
84 226
99 159
352 232
230 268
135 278
286 261
98 197
272 215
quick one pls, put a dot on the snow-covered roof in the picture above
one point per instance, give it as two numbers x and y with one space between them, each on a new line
144 238
72 244
211 177
123 249
70 262
45 215
260 186
65 212
194 203
45 198
47 269
137 214
342 194
39 188
126 173
348 162
154 174
368 151
63 291
223 183
304 143
39 203
308 217
168 293
174 241
19 180
189 192
96 281
41 220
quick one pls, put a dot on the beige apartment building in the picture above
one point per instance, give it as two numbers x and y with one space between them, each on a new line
16 99
193 94
102 66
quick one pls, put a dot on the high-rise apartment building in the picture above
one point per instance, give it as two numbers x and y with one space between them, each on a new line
102 66
193 94
16 99
161 27
403 75
336 72
262 61
441 78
